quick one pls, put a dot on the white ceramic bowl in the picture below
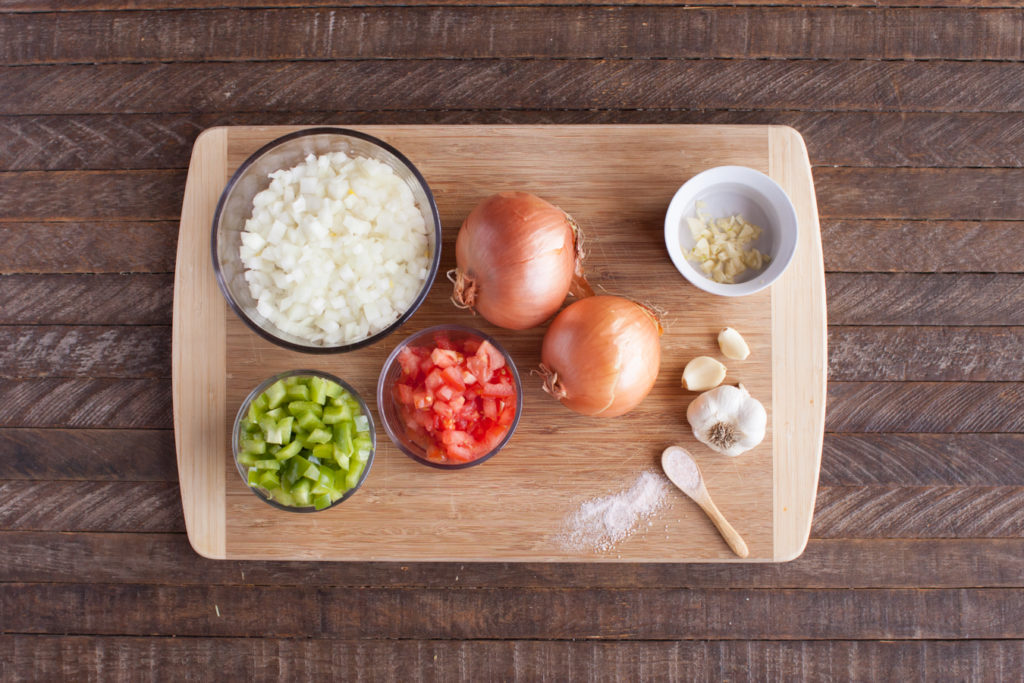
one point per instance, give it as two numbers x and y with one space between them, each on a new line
729 190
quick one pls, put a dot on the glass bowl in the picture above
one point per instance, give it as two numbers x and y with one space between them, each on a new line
236 203
727 191
390 415
243 471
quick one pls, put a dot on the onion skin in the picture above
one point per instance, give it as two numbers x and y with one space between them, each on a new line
517 257
601 355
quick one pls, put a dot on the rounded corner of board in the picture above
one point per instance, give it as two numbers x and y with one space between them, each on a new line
207 549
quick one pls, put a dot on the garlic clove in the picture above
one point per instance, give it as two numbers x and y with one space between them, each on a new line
732 344
703 373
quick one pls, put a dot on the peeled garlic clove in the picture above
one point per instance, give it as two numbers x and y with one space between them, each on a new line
703 373
732 344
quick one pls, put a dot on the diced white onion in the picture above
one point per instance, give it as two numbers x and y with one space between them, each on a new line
336 249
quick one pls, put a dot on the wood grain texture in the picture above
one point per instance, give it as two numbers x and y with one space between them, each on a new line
85 403
860 407
88 247
104 299
925 299
8 6
919 512
900 193
167 559
842 512
90 506
78 196
923 246
936 407
198 354
88 454
124 658
859 353
923 459
920 193
667 614
871 139
541 32
87 352
514 529
495 84
926 354
848 459
799 354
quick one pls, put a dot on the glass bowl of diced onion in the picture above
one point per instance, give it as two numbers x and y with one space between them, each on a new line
303 441
326 240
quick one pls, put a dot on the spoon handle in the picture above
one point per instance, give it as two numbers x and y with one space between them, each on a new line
730 535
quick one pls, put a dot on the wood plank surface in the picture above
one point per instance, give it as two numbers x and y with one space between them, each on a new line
88 454
541 32
77 351
88 247
925 353
841 512
104 299
911 111
83 5
529 84
361 613
868 139
51 657
166 559
900 193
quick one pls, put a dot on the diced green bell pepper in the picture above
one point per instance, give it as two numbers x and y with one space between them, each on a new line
288 451
275 394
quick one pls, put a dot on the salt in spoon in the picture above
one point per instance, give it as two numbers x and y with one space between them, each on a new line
682 471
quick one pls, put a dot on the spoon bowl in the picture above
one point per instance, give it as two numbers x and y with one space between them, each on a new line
682 470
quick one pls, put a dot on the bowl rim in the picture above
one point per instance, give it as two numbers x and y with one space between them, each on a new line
244 408
270 336
381 398
763 185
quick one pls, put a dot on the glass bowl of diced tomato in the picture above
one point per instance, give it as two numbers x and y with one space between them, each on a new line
450 397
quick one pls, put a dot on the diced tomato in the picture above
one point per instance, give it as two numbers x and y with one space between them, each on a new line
434 380
499 390
507 415
490 408
492 438
477 365
443 342
495 359
445 358
403 393
453 377
458 402
470 346
409 361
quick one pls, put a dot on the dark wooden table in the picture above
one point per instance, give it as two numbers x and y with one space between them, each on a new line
913 118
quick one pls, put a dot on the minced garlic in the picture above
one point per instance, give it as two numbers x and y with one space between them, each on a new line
719 245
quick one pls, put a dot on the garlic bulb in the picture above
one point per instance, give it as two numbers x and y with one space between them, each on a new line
728 419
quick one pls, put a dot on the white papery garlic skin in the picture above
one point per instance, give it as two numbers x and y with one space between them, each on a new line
728 420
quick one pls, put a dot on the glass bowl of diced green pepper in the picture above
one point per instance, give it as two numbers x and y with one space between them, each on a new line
304 441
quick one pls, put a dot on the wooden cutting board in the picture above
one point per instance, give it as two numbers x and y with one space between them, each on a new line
617 182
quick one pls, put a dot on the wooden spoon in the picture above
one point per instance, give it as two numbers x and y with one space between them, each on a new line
682 470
